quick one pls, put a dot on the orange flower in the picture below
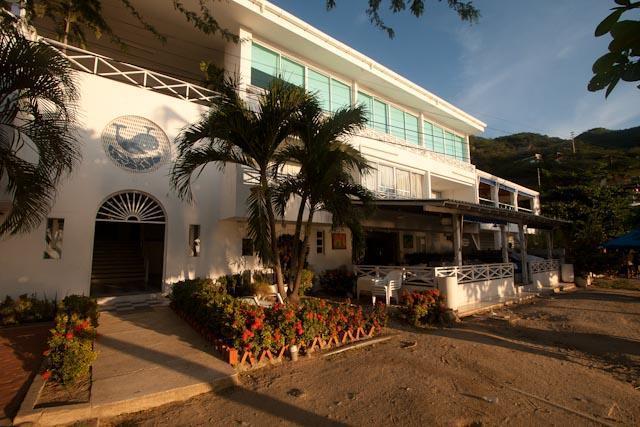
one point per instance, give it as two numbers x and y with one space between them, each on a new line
69 336
46 375
46 352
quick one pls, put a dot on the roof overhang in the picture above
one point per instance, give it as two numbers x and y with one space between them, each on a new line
472 212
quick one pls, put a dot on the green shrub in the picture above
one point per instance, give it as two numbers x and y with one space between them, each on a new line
423 308
70 353
306 282
339 282
82 306
26 309
255 328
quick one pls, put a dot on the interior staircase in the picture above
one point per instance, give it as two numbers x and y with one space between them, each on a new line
118 267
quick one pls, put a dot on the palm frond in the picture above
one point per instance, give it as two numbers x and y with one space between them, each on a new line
38 144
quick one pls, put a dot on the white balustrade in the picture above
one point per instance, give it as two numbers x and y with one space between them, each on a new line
544 266
476 273
412 276
103 66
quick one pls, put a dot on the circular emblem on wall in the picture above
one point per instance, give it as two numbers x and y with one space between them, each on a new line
136 144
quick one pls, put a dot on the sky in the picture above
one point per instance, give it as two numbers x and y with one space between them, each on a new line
524 67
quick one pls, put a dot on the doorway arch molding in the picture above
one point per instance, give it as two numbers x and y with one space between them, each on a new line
131 206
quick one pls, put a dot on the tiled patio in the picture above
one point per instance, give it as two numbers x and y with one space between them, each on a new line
21 350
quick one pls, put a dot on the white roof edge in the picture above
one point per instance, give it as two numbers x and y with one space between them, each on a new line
363 61
503 181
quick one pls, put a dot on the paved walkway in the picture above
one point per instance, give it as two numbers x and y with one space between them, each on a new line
21 350
150 357
146 358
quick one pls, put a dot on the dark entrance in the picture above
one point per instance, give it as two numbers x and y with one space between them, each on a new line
381 248
128 247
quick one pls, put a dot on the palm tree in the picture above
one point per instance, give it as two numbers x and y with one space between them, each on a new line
250 136
326 180
37 143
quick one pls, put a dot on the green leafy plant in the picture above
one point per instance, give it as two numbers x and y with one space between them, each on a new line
423 308
26 309
82 306
70 349
253 328
622 62
338 282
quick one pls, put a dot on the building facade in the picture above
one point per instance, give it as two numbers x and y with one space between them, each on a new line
116 226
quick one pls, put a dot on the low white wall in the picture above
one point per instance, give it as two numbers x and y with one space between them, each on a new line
465 296
545 279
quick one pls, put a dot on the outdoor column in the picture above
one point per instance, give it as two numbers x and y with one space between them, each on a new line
503 241
550 244
456 223
523 254
427 185
495 194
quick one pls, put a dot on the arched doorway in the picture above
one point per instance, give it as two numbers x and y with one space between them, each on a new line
128 245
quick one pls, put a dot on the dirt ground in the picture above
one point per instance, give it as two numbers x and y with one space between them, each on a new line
570 359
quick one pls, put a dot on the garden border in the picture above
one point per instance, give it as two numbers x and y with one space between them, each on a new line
247 360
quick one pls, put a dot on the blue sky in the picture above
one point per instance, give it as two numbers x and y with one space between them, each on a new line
524 67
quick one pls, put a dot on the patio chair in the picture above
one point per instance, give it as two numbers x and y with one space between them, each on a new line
389 287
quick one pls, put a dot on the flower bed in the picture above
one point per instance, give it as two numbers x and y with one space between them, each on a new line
70 353
26 309
423 308
247 334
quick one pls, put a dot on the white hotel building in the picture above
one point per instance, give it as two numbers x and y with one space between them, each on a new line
117 228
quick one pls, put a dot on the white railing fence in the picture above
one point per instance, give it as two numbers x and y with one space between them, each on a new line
544 266
427 276
103 66
476 273
413 276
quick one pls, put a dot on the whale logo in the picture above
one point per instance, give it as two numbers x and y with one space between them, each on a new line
136 144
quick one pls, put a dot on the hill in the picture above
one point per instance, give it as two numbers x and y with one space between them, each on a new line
592 187
606 156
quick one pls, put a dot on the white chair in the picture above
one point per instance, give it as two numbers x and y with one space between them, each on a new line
364 283
389 287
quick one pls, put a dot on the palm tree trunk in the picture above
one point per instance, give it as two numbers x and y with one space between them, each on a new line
296 236
295 286
274 237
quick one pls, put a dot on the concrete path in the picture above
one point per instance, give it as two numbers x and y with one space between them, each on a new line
21 350
146 358
150 357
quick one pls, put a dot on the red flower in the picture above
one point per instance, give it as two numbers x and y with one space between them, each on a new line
46 352
299 328
46 375
69 336
257 324
246 335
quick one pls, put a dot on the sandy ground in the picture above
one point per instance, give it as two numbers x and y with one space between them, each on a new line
571 359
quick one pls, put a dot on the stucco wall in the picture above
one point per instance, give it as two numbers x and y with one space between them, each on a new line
22 267
466 296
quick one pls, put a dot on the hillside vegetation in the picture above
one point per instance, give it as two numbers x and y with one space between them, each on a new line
589 188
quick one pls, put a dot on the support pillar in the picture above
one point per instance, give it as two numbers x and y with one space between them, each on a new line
550 244
523 254
503 242
456 223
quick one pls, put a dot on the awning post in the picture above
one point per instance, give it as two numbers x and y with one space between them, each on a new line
523 254
550 244
456 222
503 243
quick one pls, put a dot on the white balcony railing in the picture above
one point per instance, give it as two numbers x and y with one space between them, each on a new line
103 66
544 266
486 202
476 273
413 276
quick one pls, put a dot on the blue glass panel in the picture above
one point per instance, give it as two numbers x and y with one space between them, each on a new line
264 66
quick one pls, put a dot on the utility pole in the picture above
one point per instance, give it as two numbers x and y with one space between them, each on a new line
538 158
573 141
